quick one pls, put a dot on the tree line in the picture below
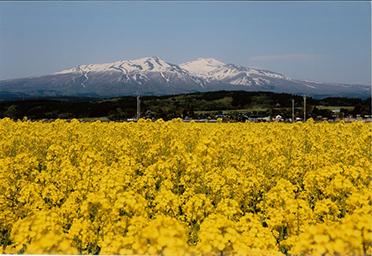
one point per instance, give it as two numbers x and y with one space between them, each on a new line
194 105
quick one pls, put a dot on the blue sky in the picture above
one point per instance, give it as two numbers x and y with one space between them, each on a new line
320 41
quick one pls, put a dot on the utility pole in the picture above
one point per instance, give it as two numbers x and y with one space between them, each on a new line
292 110
138 107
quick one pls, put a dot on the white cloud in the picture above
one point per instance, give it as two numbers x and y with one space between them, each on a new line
289 57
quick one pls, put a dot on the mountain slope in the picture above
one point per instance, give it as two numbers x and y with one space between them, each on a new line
154 76
143 72
213 69
238 77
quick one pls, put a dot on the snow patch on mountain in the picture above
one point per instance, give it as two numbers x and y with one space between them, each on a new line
201 67
154 64
213 70
86 79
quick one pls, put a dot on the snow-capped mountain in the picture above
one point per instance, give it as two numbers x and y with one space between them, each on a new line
214 70
128 67
219 75
202 67
217 72
141 71
154 76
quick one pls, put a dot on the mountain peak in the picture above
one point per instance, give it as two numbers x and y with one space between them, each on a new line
202 66
125 66
151 63
211 61
154 58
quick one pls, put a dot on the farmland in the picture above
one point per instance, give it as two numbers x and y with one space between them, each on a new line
193 105
174 188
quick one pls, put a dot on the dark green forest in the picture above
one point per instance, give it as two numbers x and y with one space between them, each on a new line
194 105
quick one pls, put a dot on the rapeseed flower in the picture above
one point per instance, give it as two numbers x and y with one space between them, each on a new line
173 188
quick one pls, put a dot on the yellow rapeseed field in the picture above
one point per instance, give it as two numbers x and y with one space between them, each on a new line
174 188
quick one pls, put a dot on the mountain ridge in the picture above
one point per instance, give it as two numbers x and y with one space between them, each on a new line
154 76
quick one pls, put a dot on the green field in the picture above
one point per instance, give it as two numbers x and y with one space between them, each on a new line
226 111
336 107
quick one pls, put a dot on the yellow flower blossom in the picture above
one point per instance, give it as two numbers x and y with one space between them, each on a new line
174 188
